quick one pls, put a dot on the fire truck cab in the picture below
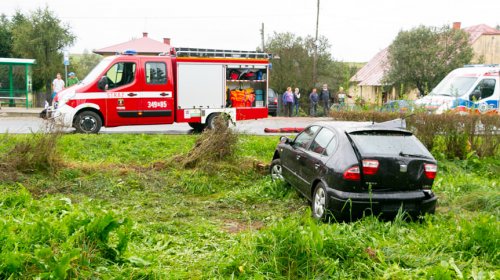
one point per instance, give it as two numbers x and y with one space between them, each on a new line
187 85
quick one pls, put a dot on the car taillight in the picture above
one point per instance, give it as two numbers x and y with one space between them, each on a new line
352 174
370 166
276 100
430 170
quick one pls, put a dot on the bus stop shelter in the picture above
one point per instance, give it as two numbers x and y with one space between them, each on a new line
15 81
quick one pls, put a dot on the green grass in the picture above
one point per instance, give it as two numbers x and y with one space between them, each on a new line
122 208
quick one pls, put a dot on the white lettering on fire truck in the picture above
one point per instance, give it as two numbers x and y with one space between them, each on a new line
157 104
116 94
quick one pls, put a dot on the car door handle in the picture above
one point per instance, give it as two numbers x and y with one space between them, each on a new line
132 94
163 94
298 157
316 166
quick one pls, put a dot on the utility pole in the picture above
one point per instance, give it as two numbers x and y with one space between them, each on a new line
315 59
262 36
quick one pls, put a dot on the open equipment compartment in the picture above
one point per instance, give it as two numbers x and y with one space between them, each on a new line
246 85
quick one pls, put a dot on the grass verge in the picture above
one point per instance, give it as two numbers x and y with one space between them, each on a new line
118 208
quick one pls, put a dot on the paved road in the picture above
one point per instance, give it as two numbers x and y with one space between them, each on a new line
20 125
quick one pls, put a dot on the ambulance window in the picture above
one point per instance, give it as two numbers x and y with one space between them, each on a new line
121 73
156 73
484 89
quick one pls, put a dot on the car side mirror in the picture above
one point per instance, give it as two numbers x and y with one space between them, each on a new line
102 84
285 140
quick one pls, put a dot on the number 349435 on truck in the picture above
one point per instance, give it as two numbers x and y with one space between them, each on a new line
187 85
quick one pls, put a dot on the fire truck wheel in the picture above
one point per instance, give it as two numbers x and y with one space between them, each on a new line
198 127
211 120
88 122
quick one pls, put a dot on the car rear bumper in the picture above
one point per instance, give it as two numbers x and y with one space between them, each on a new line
272 109
388 204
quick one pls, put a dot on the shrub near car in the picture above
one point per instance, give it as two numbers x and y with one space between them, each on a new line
348 171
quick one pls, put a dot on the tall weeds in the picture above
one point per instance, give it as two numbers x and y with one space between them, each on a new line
35 153
214 145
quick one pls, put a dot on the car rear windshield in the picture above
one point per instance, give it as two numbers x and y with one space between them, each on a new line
388 143
271 93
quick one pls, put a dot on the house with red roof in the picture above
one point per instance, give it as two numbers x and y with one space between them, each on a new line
143 46
367 82
485 42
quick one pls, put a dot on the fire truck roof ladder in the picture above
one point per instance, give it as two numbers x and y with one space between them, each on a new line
194 52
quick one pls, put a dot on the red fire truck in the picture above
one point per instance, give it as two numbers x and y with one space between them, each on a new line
187 85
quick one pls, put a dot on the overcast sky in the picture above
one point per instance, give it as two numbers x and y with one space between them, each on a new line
357 30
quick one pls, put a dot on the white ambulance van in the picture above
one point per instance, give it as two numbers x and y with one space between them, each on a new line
471 89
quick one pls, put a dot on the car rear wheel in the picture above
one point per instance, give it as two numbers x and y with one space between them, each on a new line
276 170
319 202
88 122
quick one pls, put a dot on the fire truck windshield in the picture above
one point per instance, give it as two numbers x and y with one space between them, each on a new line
93 75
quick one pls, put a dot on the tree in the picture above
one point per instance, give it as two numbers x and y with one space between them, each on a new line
5 36
41 36
295 64
422 56
84 63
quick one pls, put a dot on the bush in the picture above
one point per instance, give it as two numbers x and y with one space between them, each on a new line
453 135
53 238
36 153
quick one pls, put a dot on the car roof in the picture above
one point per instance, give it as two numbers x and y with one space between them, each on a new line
400 101
396 125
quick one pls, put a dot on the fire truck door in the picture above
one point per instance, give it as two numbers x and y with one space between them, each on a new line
123 102
157 93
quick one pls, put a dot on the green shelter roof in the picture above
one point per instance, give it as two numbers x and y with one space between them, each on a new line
4 60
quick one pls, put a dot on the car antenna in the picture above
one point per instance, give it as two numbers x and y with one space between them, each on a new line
403 119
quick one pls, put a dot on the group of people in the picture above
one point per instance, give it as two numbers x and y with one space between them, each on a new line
58 84
323 98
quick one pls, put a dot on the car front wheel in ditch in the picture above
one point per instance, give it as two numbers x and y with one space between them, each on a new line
319 202
88 122
276 170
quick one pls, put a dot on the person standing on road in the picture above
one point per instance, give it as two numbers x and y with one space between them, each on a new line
324 96
296 96
288 101
342 95
57 86
314 98
72 80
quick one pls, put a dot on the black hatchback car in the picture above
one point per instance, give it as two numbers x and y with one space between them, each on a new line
348 171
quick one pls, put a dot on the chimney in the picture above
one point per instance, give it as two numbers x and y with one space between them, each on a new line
457 25
166 41
144 34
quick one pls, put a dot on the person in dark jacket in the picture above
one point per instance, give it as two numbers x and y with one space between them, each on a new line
313 100
325 97
296 96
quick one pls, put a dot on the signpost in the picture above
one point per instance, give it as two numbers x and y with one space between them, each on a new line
66 63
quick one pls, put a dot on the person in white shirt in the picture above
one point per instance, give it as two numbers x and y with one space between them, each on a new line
57 86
